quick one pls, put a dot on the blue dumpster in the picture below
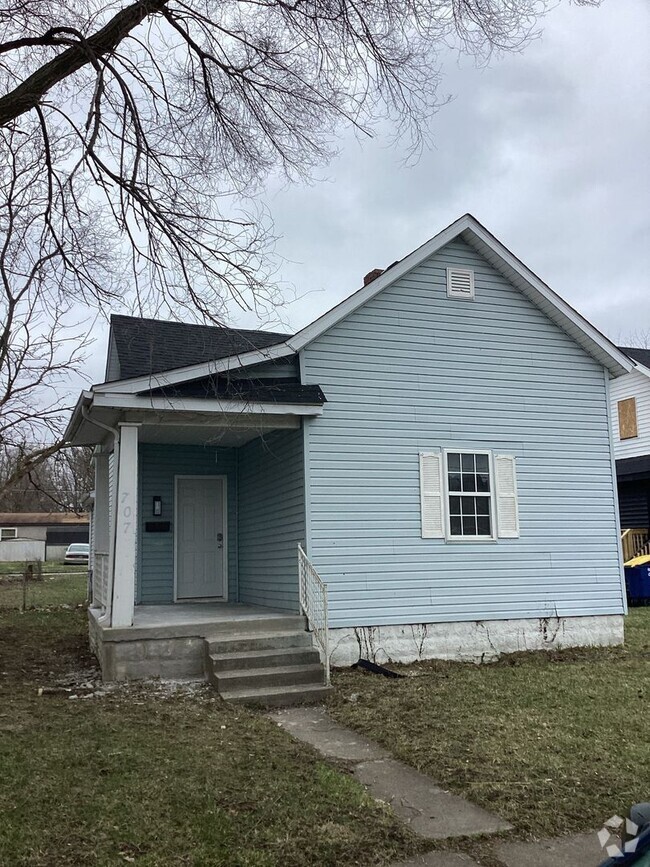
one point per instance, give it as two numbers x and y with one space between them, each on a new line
637 582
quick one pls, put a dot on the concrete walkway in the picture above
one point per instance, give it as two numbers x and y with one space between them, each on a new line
580 850
430 811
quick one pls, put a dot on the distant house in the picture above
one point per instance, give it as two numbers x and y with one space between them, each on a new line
438 445
630 397
40 535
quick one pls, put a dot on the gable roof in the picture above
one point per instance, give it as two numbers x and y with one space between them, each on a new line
640 355
149 346
20 519
471 231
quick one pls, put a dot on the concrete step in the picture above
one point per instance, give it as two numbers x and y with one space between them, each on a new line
264 658
244 641
252 678
279 696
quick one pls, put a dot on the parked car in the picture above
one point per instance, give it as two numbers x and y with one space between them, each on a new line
78 552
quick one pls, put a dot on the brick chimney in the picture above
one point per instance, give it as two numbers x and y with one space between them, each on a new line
372 275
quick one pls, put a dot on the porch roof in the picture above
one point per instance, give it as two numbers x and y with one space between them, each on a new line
165 419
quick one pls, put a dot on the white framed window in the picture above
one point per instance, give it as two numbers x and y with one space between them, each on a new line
468 495
460 283
8 533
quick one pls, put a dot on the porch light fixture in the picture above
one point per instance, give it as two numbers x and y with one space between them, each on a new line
157 506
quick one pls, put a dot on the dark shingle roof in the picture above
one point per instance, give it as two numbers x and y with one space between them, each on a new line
640 355
249 390
147 346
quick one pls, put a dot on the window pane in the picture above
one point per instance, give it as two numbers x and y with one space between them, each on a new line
453 462
483 482
454 481
482 465
455 526
469 526
468 463
482 506
483 526
469 507
454 505
469 482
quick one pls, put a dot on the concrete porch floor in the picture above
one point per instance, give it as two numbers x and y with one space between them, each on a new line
191 613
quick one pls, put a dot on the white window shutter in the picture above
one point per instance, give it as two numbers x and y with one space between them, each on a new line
431 496
506 496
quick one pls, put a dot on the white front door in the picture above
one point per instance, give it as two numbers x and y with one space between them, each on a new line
200 538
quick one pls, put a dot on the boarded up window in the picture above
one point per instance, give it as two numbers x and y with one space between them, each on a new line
627 427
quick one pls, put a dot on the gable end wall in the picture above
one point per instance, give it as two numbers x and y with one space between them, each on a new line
413 371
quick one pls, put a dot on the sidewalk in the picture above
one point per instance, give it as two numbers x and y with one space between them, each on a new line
432 812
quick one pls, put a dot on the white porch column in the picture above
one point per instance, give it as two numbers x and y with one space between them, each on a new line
126 515
101 533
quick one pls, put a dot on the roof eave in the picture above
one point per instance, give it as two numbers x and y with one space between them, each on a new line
85 399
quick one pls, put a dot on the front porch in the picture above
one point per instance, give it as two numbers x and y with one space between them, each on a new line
169 641
192 509
197 521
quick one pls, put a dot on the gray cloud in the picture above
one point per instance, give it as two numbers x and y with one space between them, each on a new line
548 148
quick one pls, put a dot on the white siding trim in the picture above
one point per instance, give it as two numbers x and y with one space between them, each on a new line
200 404
432 493
505 486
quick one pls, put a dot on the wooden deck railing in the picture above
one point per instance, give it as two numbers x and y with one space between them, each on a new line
635 541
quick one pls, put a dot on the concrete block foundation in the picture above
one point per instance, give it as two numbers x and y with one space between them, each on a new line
175 658
471 641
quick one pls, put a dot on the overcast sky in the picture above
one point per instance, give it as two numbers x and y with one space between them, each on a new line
548 148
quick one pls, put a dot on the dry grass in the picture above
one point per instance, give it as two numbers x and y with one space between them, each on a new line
555 743
154 776
54 590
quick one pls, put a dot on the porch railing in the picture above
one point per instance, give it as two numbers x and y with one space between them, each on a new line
100 579
635 542
313 602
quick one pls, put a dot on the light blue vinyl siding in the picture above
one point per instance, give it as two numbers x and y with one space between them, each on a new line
279 368
158 466
271 519
414 371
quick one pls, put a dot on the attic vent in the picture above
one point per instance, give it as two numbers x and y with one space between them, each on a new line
460 283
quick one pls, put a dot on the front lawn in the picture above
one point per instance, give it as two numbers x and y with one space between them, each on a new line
51 567
159 776
57 588
554 743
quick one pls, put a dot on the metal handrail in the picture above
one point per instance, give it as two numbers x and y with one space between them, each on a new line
313 602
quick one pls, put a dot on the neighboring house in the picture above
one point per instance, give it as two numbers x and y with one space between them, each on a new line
40 535
439 443
630 397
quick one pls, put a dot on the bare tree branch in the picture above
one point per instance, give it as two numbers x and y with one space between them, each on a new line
135 136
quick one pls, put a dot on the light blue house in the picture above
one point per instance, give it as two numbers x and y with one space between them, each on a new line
438 444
